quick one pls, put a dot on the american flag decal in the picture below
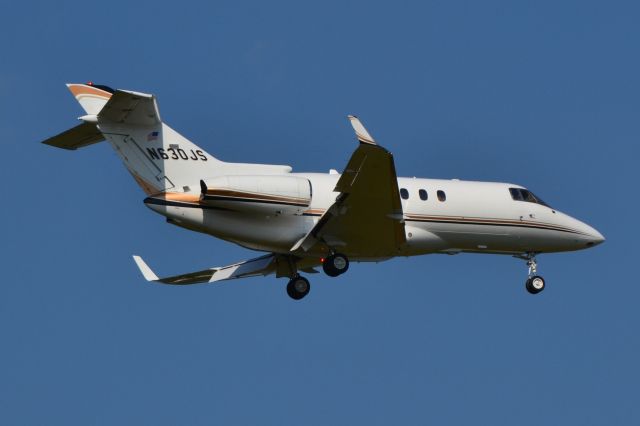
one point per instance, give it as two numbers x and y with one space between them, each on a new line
153 136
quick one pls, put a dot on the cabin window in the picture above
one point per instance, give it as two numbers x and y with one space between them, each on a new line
442 196
423 195
519 194
404 193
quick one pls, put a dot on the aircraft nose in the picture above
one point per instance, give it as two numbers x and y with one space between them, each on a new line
592 235
595 238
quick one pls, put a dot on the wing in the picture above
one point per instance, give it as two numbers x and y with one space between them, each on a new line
263 265
366 218
131 108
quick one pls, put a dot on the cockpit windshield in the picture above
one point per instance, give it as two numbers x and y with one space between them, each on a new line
520 194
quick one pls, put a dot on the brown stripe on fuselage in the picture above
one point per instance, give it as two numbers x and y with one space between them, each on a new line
488 221
314 212
468 221
476 219
256 196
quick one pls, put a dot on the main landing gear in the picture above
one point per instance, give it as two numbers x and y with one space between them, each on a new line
535 283
298 286
336 264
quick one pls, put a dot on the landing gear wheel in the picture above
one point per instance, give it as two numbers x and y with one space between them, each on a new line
298 287
336 264
535 284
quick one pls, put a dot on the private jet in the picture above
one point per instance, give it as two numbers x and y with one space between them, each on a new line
308 221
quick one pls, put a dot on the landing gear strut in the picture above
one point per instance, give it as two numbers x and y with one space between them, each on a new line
336 264
535 283
298 287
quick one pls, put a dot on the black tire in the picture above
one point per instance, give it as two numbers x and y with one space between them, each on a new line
336 264
298 287
535 284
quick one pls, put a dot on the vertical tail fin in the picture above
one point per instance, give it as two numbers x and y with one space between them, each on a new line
91 97
159 158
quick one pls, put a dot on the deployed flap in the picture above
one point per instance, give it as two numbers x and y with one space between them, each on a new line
366 219
82 135
263 265
131 108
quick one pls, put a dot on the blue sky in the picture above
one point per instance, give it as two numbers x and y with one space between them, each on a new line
544 94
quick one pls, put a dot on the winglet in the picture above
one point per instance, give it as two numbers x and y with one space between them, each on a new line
147 273
361 132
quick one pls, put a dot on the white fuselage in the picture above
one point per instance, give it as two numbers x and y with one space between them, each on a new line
465 217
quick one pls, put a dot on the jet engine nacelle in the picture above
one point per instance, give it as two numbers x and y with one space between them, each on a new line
267 194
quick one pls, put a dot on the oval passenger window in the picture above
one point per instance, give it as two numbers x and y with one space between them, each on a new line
423 195
442 196
404 193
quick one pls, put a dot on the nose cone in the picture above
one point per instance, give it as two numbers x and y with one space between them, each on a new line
576 235
595 237
591 235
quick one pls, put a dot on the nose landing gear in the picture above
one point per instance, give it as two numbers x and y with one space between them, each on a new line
535 283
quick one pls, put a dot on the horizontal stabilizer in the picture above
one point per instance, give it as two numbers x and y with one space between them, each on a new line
82 135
